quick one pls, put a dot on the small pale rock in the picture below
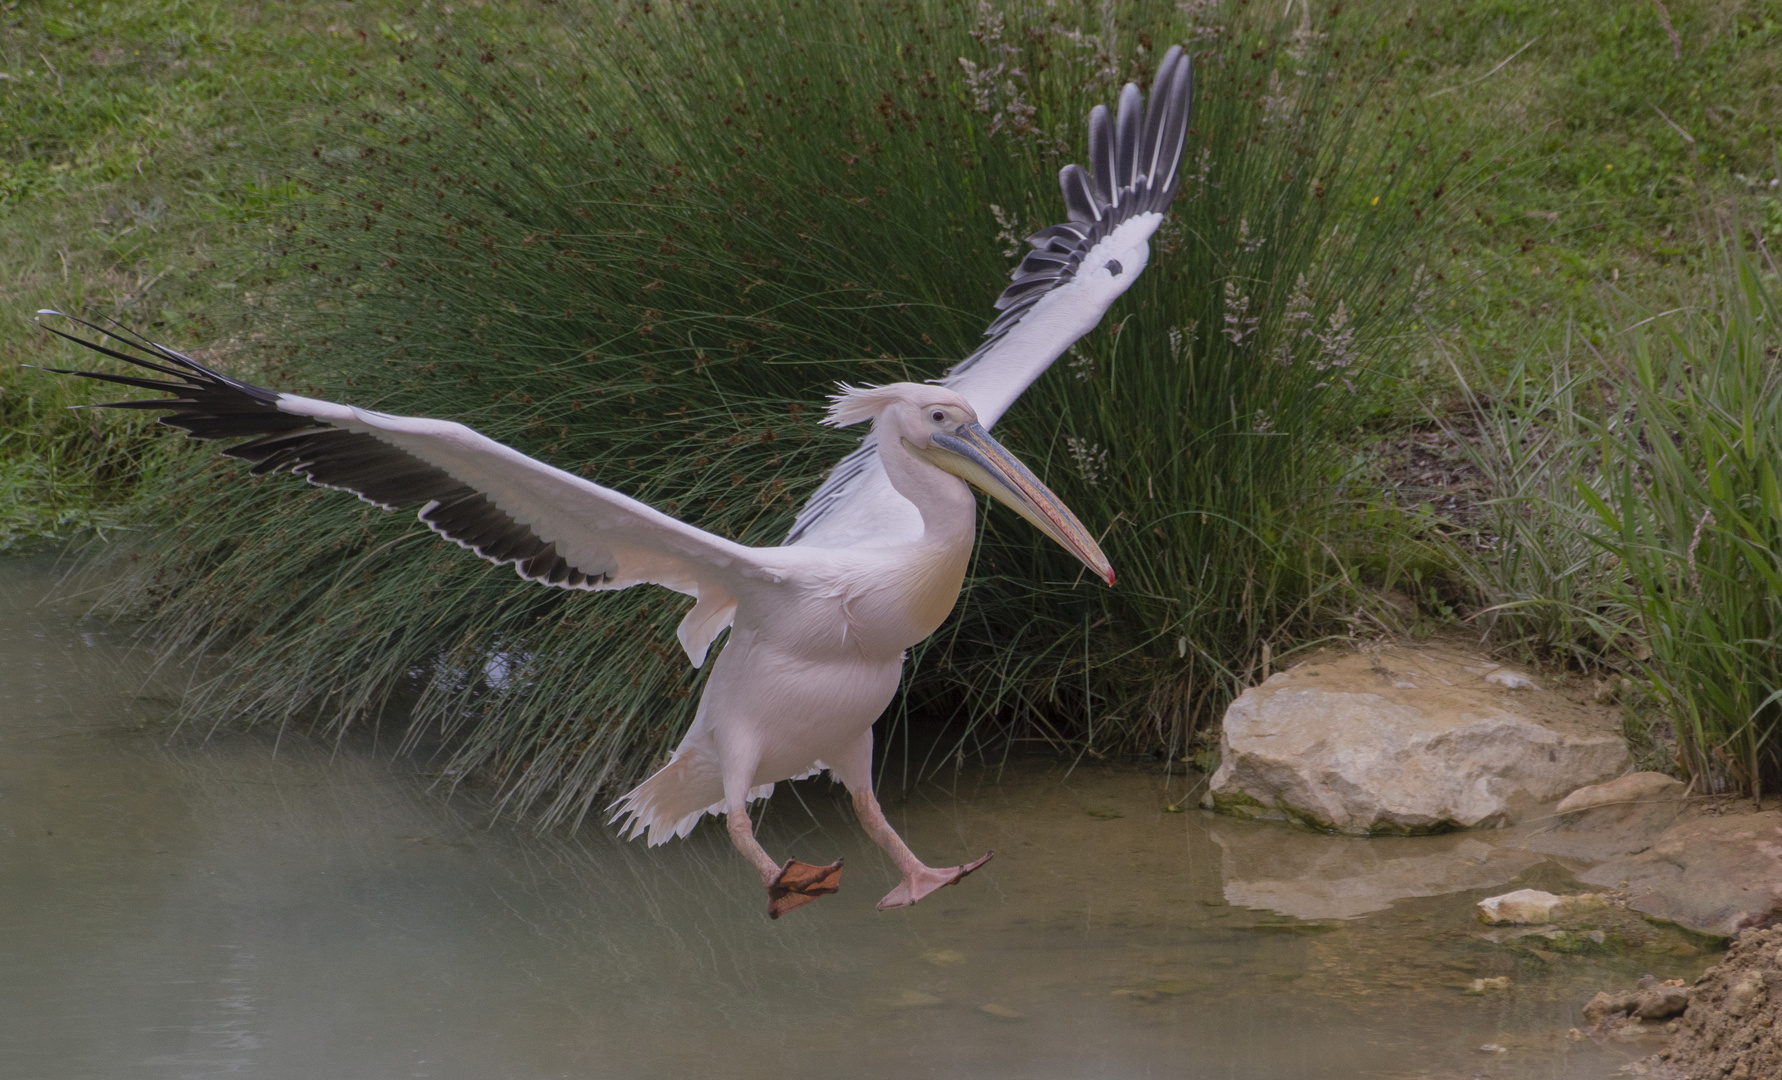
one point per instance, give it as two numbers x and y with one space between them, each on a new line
1660 1002
1482 986
1335 745
1001 1012
1527 906
1494 1048
1634 787
1605 1005
1510 680
1521 906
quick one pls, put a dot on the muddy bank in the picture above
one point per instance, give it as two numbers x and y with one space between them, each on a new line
1731 1027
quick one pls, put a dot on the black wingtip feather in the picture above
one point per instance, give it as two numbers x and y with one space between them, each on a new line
1126 144
1101 158
210 405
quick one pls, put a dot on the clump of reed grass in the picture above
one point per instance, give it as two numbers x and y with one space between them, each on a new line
1689 503
1549 588
1635 521
644 245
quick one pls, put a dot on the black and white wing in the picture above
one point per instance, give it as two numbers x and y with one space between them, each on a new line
552 526
1061 290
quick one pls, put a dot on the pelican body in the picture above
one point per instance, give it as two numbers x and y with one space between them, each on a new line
814 658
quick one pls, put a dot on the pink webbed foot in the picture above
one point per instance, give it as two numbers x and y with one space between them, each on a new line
800 883
915 886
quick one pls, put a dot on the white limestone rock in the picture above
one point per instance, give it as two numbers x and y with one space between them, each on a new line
1406 740
1532 907
1524 906
1632 788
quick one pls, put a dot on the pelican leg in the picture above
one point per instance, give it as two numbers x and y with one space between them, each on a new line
919 879
790 886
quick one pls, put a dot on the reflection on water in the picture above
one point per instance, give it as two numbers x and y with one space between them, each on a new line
178 908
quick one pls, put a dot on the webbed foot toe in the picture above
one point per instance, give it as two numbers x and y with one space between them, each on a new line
799 883
915 886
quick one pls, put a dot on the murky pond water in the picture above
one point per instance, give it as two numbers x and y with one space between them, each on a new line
185 908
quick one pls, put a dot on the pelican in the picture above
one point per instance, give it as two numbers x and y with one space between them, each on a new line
818 625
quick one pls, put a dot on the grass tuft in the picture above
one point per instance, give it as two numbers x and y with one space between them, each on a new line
1690 507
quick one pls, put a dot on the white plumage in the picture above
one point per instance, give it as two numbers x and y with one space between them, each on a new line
819 626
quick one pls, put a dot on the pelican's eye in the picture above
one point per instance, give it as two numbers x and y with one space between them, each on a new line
938 416
1114 267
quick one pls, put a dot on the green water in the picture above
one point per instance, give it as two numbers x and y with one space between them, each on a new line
175 907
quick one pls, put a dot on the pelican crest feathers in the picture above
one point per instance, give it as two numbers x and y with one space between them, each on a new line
857 404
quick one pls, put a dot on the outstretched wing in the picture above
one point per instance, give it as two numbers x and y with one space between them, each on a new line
552 526
1060 292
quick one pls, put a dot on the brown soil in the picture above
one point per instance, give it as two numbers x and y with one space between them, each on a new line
1428 465
1733 1027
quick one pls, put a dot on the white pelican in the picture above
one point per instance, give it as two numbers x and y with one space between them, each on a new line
819 626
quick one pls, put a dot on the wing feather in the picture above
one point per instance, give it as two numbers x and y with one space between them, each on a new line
1101 159
1080 200
552 526
1172 135
1112 207
1126 146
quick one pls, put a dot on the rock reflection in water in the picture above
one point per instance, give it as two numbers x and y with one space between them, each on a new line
186 908
1313 876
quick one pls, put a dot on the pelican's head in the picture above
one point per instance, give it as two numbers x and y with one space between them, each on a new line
939 427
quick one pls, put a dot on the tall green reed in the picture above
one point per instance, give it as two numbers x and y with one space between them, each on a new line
644 244
1690 505
1549 589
